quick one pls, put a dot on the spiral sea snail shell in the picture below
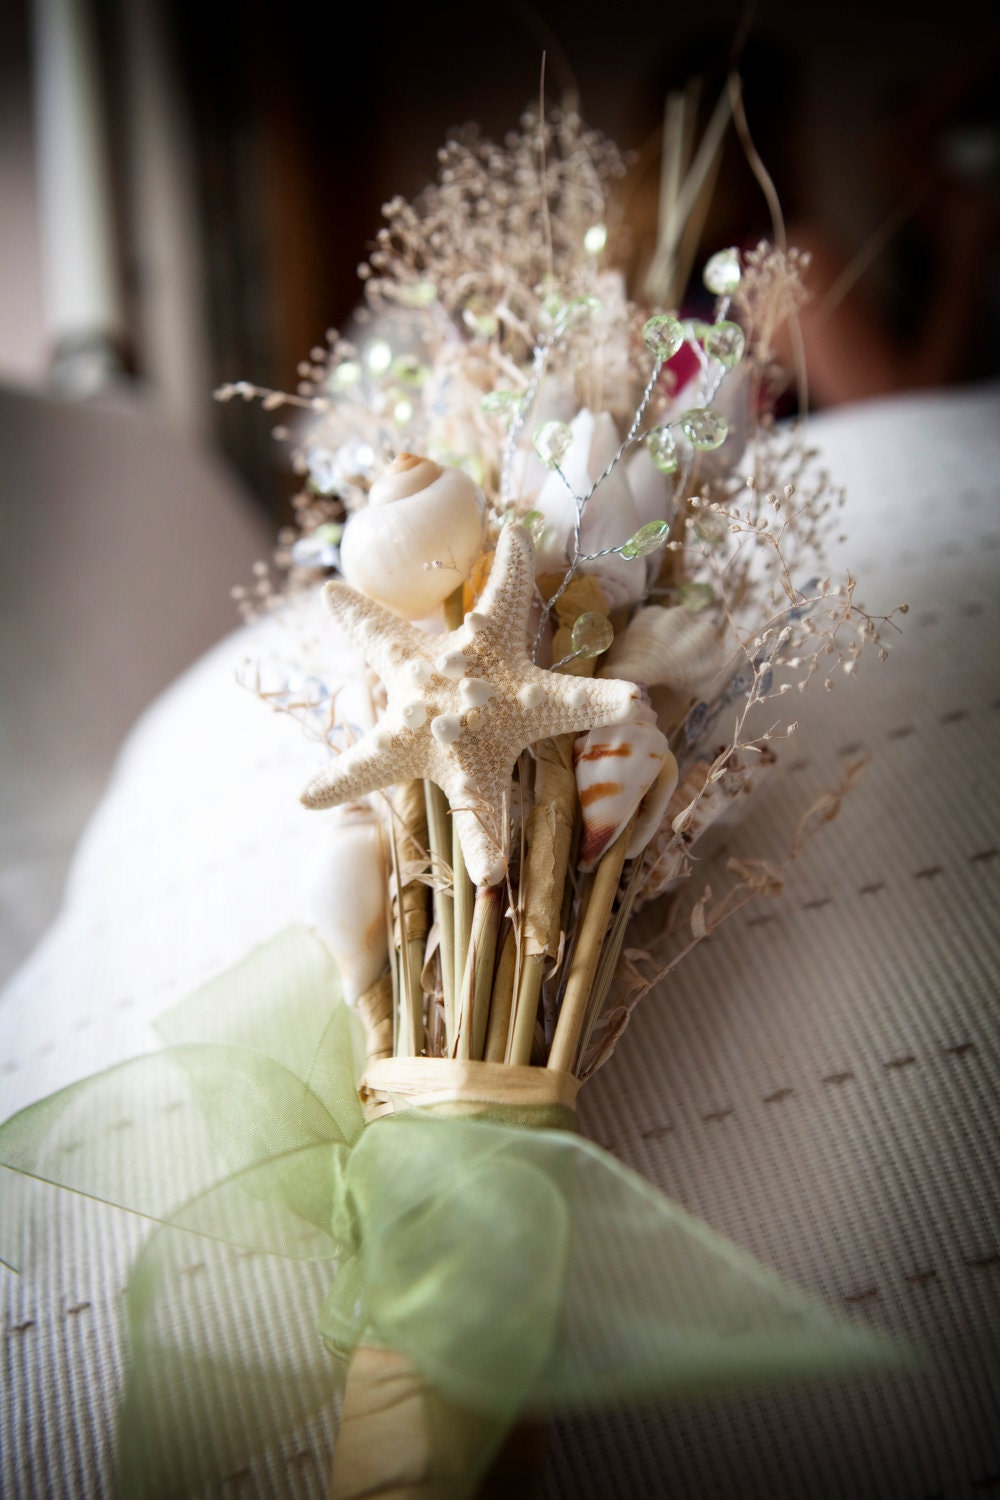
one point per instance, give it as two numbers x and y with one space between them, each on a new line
415 541
666 645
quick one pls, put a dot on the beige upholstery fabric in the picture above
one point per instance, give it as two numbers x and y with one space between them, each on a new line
119 542
818 1080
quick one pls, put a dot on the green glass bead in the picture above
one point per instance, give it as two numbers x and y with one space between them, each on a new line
591 635
646 540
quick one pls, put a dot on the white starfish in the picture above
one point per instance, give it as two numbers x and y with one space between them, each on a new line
462 706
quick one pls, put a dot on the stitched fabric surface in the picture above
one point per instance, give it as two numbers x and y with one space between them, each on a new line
818 1081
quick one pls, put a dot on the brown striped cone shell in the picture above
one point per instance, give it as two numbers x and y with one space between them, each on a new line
615 768
653 807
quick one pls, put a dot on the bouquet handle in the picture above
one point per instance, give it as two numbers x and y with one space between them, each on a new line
400 1441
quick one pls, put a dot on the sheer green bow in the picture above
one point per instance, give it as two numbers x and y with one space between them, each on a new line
519 1270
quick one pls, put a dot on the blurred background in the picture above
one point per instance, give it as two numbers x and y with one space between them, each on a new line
186 191
188 188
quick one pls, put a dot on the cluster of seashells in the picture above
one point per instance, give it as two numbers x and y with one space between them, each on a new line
424 531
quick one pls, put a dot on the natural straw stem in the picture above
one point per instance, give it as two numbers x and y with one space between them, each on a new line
502 1000
549 836
375 1009
587 953
610 955
529 990
465 897
410 836
439 839
477 982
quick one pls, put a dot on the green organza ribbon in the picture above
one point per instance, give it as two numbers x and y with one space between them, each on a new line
519 1270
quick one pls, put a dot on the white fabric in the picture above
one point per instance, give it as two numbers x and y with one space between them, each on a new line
818 1081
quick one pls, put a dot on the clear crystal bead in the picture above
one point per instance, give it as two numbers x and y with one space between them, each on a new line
704 428
725 342
663 335
322 466
319 549
552 442
722 272
592 633
662 449
356 458
646 540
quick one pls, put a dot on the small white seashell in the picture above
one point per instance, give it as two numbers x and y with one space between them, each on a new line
615 768
345 897
671 646
651 490
610 516
417 538
446 728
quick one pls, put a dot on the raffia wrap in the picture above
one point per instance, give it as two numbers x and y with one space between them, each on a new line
398 1440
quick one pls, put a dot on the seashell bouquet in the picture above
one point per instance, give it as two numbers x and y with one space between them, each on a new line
592 500
583 563
567 572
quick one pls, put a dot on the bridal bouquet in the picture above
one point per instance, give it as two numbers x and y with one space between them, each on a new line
554 586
